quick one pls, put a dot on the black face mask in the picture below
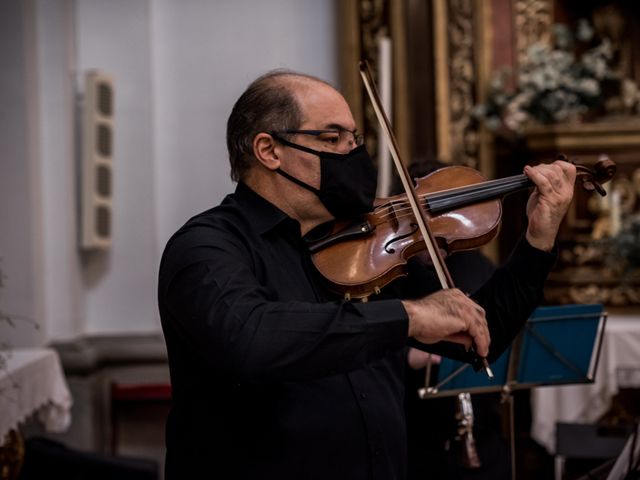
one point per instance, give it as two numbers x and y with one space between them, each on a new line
348 181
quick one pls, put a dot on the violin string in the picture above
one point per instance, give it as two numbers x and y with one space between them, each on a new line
439 201
403 201
486 192
453 197
491 185
406 211
461 191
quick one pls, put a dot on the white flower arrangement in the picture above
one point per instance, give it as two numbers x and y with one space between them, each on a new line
555 86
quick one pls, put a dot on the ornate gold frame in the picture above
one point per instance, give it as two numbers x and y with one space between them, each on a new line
462 39
361 22
463 42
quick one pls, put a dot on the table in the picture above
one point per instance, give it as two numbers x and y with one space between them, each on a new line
619 367
32 381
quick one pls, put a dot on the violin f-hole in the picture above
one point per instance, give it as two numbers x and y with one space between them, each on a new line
389 249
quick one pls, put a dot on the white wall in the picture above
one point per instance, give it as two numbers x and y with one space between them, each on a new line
20 179
115 36
178 67
63 284
205 56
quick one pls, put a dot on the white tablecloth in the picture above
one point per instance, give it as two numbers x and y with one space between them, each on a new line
33 382
619 366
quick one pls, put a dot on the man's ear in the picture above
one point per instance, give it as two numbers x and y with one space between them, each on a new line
265 149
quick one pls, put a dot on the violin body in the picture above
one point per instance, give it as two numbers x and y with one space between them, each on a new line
360 265
463 212
453 208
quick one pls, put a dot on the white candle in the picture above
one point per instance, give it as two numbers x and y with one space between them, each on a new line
615 214
385 83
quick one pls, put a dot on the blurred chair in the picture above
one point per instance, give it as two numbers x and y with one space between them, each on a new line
124 395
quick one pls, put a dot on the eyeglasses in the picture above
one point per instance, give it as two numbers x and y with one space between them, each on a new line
337 137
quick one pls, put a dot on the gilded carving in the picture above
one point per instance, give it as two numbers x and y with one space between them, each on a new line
612 210
461 139
610 22
12 455
588 270
533 20
374 22
617 295
462 80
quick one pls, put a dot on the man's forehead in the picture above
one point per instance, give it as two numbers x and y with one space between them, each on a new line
323 105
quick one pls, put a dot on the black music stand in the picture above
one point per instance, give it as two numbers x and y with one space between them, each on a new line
558 346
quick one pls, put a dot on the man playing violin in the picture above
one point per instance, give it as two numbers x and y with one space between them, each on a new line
272 375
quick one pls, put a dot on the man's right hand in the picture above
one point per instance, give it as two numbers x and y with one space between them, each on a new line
448 315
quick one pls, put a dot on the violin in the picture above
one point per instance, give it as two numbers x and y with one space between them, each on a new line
463 210
358 260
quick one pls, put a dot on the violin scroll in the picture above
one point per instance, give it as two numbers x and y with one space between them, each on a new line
591 179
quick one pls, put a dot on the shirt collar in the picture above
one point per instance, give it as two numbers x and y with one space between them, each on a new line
262 214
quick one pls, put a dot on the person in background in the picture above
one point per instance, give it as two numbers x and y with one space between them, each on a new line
434 449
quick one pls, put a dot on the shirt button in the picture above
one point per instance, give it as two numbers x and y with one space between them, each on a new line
363 395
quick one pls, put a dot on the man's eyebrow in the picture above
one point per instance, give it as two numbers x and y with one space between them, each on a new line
336 126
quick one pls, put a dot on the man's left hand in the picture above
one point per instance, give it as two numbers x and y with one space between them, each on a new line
549 202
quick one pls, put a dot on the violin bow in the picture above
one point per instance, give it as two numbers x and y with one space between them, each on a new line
421 217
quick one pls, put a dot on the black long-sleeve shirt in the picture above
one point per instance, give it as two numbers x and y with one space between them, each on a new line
272 376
